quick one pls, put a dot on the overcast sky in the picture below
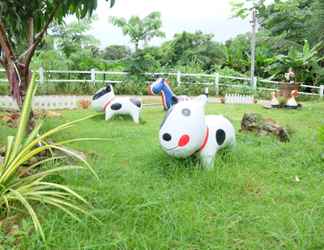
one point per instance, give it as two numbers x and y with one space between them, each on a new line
209 16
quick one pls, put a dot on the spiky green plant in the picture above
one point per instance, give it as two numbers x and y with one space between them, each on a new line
20 190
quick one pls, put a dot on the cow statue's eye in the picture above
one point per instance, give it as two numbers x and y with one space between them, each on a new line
186 112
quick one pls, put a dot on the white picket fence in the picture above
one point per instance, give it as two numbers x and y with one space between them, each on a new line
238 99
45 102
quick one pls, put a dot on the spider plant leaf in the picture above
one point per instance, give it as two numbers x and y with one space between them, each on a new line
80 140
30 210
10 141
66 189
24 117
75 155
41 175
54 131
32 135
41 162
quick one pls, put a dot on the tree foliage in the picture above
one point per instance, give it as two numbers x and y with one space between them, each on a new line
292 36
193 48
140 30
72 37
23 25
116 52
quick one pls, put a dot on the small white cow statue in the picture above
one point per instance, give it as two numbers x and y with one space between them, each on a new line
186 130
105 100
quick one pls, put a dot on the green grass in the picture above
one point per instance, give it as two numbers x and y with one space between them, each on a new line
147 200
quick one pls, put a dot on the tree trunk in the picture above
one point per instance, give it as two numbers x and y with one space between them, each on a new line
19 76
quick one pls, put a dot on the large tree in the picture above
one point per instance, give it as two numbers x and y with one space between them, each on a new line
194 48
140 30
23 25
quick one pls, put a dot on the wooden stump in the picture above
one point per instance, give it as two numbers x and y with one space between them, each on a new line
254 122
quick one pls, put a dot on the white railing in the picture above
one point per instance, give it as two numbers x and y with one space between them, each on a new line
45 102
216 80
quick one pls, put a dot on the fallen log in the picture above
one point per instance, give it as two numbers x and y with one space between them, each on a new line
254 122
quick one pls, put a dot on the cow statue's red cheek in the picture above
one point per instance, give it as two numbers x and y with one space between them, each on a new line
183 140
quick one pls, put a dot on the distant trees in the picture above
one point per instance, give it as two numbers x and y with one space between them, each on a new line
140 30
116 52
194 48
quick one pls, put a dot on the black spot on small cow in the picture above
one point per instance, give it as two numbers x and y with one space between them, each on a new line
116 106
137 102
220 136
102 92
174 100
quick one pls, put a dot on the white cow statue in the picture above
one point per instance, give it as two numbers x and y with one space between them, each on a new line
186 130
105 100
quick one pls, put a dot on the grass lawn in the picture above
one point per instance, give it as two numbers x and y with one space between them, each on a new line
147 200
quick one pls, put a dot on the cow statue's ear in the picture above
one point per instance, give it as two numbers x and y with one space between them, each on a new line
202 99
174 100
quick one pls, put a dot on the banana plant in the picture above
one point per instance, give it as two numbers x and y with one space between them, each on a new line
22 186
305 62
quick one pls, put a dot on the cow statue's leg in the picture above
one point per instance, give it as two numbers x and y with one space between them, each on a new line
208 152
207 158
135 115
108 113
221 134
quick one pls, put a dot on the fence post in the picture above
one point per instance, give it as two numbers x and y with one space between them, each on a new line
93 76
178 77
216 84
254 83
41 75
321 91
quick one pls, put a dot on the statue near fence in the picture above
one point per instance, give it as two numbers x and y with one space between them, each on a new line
105 100
284 102
161 86
186 130
286 96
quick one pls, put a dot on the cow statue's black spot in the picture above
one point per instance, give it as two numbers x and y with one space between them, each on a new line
137 102
116 106
220 136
